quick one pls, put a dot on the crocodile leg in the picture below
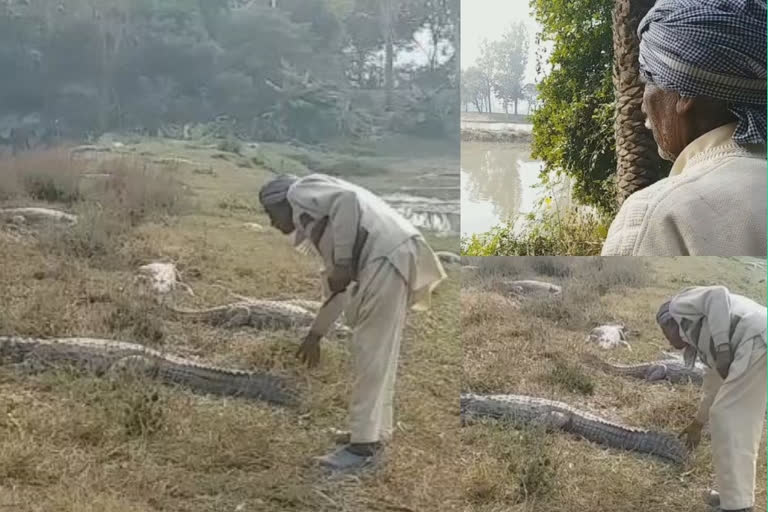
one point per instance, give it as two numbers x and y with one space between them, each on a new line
240 317
656 372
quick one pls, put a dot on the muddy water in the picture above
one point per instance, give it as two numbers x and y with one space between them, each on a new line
498 183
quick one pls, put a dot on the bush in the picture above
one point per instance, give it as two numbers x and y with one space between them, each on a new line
575 231
137 191
43 175
231 145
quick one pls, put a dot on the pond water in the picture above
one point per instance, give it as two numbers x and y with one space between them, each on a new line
498 183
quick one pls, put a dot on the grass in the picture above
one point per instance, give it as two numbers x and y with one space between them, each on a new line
570 231
77 443
535 347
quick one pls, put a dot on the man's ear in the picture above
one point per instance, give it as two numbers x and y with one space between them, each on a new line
684 105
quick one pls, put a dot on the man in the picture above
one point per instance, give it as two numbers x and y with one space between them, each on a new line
728 333
363 240
704 65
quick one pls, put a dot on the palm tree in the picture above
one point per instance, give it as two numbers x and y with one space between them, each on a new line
637 160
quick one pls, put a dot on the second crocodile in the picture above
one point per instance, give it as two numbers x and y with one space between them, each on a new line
521 411
653 371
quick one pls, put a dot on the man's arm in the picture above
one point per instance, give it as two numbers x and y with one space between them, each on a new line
709 388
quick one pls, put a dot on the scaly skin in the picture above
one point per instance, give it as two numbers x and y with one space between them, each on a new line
523 411
101 357
260 314
653 371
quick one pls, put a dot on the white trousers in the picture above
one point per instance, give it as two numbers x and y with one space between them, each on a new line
736 423
377 310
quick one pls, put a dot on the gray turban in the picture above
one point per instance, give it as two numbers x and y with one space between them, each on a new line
714 48
276 190
663 316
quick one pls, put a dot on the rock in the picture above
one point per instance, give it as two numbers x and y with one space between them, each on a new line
609 336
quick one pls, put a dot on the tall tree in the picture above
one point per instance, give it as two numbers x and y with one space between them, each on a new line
638 163
511 58
487 66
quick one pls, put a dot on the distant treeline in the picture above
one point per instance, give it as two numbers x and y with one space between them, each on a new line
307 70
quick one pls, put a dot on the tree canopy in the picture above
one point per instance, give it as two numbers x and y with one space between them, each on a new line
307 69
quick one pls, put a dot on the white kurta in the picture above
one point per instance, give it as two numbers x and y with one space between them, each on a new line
397 270
711 316
712 204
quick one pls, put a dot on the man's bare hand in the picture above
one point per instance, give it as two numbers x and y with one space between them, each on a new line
340 277
692 434
309 351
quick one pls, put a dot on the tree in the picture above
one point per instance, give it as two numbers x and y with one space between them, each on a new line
511 57
638 163
487 65
574 125
531 94
474 86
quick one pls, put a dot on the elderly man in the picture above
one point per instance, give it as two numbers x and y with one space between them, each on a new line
704 65
728 333
363 240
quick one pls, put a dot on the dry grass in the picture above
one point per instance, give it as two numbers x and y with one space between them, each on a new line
536 348
74 443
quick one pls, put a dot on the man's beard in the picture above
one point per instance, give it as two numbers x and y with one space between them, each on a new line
662 153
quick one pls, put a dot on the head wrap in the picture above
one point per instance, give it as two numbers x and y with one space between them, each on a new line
276 190
663 316
714 48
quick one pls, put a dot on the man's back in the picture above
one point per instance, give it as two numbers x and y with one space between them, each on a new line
715 208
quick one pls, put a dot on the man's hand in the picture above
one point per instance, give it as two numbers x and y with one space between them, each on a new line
723 360
309 352
340 277
692 434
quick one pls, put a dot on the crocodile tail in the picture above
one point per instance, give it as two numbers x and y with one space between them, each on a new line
250 385
660 444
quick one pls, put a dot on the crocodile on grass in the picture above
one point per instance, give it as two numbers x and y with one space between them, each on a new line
653 371
260 314
523 411
103 357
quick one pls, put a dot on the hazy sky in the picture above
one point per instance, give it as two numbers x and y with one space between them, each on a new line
490 19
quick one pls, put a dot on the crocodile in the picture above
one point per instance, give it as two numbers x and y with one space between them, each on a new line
108 357
260 314
653 371
523 410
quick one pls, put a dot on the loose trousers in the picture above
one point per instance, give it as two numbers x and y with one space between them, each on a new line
377 309
736 423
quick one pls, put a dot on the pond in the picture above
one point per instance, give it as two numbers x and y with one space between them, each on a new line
498 183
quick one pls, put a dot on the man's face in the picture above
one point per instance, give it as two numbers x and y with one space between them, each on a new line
664 119
672 332
281 217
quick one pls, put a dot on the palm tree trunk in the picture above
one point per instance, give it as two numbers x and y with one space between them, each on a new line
637 160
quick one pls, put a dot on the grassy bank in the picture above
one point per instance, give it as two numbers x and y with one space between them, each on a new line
569 231
72 443
534 346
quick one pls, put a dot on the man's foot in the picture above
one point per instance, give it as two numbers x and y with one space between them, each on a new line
350 457
712 498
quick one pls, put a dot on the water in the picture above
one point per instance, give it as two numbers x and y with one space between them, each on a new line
427 213
498 183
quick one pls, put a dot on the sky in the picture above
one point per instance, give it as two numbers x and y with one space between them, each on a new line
490 19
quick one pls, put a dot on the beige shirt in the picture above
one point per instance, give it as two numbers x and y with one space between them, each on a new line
710 316
712 204
390 235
